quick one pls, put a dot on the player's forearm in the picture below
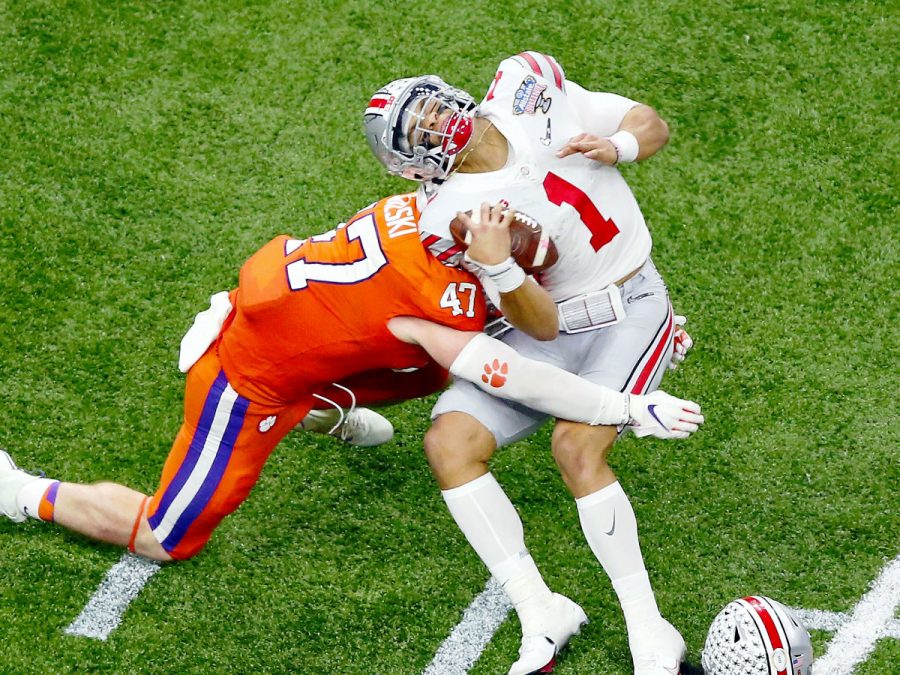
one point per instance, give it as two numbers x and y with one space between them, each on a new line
531 309
500 370
648 128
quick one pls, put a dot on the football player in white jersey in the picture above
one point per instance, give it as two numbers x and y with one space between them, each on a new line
551 149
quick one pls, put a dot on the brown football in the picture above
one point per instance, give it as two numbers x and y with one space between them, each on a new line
530 246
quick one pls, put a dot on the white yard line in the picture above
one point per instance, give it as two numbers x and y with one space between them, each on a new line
103 612
855 639
464 645
855 633
818 619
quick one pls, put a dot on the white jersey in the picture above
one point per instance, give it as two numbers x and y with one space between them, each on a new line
586 207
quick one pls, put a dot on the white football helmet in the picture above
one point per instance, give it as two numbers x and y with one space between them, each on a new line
757 636
393 126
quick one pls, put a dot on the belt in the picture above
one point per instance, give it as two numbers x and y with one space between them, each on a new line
633 273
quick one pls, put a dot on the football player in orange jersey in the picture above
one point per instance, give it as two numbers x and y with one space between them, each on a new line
350 306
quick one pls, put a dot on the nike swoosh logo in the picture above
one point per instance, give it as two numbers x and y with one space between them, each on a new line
612 530
651 408
639 297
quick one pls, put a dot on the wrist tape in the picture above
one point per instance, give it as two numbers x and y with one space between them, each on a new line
626 146
507 275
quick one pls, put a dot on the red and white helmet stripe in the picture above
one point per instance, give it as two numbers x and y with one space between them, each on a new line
756 635
378 103
771 631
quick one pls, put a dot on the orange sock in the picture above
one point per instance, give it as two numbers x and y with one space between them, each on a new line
47 506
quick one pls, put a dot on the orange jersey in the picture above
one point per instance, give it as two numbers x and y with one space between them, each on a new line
315 311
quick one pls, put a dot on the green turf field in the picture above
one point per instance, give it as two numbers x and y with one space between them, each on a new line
147 148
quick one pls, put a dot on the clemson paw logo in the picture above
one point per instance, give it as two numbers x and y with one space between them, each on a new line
495 373
267 424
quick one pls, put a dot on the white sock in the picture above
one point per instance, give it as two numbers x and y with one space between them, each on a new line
526 590
609 525
485 515
493 529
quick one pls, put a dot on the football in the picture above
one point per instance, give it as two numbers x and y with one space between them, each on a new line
530 246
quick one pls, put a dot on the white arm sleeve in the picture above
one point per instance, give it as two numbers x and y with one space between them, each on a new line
498 369
600 113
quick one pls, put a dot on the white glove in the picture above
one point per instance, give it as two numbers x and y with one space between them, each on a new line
664 416
682 343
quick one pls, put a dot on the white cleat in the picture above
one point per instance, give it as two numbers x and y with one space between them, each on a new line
536 655
361 427
662 655
12 478
538 652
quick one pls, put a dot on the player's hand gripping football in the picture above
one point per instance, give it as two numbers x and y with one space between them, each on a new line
664 416
491 241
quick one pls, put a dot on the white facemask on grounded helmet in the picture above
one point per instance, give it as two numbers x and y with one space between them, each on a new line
393 125
757 636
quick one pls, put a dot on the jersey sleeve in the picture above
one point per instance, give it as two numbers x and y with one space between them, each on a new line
536 63
600 113
452 297
262 277
434 226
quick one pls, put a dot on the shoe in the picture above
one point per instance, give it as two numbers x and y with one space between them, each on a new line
661 654
537 653
361 427
12 478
